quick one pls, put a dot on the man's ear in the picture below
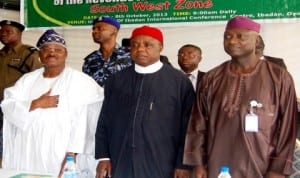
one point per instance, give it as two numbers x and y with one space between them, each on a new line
161 47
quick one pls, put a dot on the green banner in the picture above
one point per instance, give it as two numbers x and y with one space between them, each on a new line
53 13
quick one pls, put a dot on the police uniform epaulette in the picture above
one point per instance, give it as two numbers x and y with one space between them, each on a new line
31 48
22 68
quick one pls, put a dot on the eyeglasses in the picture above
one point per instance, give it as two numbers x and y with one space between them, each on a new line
191 55
54 50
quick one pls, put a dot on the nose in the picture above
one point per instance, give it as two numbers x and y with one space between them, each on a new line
232 40
183 56
51 51
140 47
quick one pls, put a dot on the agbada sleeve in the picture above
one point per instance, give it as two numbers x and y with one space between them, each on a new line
83 111
15 105
285 137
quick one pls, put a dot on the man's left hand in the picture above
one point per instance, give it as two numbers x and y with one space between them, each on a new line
182 173
274 175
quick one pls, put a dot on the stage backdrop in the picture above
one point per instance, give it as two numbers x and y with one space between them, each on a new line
54 13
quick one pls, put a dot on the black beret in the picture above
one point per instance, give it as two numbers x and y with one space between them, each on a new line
12 23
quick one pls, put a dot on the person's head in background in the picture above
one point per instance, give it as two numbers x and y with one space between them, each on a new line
260 47
11 33
105 30
189 57
126 43
259 51
146 45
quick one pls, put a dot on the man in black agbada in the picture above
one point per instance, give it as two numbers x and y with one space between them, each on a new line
140 132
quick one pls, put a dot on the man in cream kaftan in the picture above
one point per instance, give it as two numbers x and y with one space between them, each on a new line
48 116
39 140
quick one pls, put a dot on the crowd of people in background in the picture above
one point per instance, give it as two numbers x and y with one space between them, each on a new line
130 114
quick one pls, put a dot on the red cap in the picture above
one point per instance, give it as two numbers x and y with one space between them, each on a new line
243 23
148 31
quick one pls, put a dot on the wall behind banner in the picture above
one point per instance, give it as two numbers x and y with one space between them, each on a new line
281 39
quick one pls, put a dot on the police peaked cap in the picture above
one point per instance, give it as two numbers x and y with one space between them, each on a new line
13 23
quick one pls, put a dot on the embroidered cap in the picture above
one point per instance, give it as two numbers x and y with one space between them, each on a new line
243 23
51 37
148 31
12 23
109 20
